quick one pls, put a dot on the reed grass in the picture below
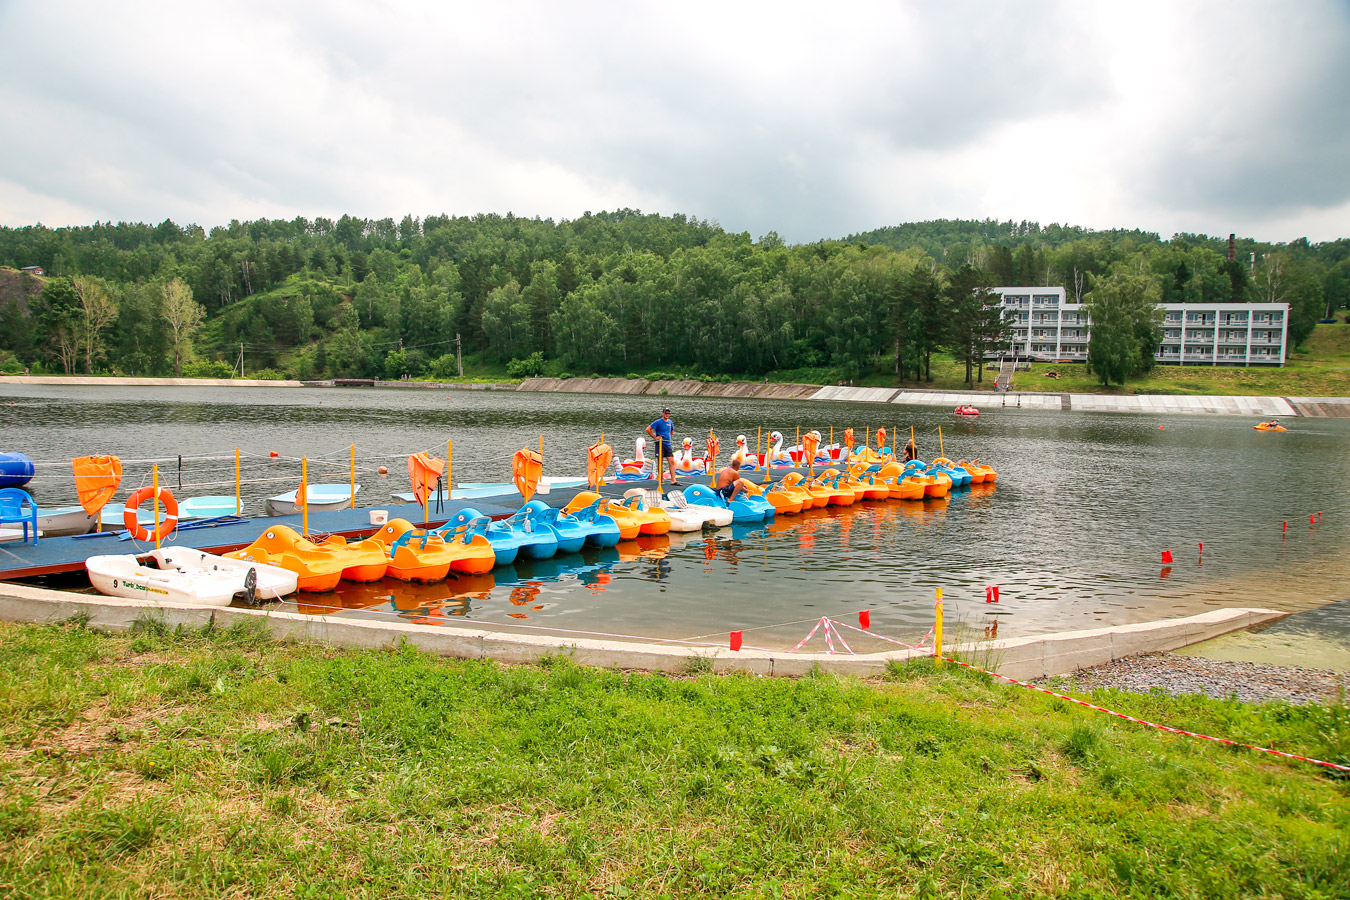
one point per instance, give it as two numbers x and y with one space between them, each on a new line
208 764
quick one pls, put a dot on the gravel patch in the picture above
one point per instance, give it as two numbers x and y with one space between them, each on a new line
1221 679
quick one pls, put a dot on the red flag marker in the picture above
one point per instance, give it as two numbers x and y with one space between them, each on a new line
865 619
736 638
1286 526
1202 546
1312 519
991 594
1167 556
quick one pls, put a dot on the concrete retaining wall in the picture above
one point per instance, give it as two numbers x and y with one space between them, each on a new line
128 381
855 394
1029 657
1322 407
679 388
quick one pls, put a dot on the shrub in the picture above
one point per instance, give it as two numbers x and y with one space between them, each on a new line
207 368
529 367
268 375
445 366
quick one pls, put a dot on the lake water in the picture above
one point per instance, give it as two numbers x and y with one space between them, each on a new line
1072 534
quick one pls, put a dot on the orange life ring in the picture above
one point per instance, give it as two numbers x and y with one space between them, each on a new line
166 524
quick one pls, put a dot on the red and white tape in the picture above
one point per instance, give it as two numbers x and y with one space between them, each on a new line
1139 721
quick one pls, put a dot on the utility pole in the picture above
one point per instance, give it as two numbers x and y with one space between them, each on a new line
459 358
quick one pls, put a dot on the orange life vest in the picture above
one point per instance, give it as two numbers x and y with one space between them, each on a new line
598 458
96 480
526 468
424 471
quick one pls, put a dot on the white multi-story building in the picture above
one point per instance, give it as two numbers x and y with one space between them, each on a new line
1046 326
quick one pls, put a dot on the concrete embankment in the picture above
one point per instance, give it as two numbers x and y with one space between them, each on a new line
1036 656
133 381
1279 407
685 388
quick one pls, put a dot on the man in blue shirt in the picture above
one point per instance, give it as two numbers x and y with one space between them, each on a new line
662 432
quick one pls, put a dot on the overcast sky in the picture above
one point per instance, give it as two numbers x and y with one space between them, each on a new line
809 119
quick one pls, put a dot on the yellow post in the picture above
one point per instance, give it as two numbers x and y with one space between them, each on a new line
600 482
867 436
712 465
449 454
895 436
353 506
238 502
759 434
911 441
155 470
831 443
658 464
937 630
799 444
941 450
304 510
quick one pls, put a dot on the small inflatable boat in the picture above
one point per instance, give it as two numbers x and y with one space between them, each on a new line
967 411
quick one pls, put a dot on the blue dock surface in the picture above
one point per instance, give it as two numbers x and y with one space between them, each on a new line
54 555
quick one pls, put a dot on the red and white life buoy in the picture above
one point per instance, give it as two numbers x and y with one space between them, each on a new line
166 524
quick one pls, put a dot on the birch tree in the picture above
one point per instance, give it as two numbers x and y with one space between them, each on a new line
182 314
98 310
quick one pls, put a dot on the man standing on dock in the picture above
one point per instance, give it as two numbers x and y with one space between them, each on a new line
662 431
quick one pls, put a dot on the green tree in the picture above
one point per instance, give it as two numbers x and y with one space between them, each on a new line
98 310
1126 326
183 315
58 323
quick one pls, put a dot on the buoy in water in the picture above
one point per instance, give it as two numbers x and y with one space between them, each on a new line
272 453
384 470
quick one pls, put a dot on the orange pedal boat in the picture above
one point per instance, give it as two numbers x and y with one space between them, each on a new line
319 566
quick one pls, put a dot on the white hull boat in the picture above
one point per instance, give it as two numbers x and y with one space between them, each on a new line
318 497
183 576
682 518
713 516
65 520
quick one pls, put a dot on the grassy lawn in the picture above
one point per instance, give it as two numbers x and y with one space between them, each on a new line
1320 368
161 764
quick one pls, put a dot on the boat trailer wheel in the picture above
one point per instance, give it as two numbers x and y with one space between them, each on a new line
251 587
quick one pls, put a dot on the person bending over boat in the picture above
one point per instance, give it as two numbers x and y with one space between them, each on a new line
911 451
663 432
729 483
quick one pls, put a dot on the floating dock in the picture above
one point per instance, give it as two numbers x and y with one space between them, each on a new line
57 555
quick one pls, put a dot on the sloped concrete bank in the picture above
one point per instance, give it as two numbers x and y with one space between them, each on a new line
684 388
132 381
1030 657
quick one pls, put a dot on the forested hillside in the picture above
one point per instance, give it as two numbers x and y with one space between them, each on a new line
620 292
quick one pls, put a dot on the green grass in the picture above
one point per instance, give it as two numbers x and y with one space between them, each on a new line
185 764
1320 368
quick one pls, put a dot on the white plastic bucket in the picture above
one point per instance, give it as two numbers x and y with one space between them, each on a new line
379 516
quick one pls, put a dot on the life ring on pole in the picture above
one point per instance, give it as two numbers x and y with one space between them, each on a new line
166 524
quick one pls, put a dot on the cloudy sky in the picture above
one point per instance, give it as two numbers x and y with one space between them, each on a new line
809 119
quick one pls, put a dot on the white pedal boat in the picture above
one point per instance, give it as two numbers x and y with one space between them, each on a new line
683 515
184 576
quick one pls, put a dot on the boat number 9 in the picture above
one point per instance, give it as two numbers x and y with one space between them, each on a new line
114 584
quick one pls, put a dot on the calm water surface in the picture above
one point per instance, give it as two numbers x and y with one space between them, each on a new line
1072 534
